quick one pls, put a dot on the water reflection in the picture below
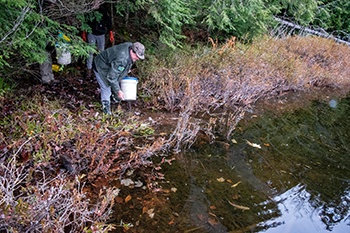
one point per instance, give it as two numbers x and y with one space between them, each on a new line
298 181
305 158
302 213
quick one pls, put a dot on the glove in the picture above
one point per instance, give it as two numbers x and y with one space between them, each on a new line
84 36
115 98
111 38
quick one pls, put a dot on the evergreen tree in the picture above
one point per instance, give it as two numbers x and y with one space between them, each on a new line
334 16
27 27
239 18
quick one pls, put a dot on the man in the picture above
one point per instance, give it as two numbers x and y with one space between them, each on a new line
98 26
111 66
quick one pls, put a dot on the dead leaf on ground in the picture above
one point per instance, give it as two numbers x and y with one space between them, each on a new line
212 207
124 133
150 213
128 198
144 209
119 200
166 190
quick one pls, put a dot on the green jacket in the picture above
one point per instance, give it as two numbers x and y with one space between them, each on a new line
113 64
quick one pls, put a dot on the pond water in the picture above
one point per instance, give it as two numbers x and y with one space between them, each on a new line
280 172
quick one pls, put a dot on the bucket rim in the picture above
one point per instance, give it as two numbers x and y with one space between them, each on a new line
129 78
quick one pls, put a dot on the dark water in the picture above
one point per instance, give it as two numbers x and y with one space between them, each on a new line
287 172
298 181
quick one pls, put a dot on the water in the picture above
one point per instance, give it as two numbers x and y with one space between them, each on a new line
286 172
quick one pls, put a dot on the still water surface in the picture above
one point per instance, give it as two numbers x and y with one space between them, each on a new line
281 173
285 171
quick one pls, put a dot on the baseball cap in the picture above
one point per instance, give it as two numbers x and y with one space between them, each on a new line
139 49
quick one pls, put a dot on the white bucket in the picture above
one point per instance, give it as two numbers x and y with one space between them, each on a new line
64 57
128 85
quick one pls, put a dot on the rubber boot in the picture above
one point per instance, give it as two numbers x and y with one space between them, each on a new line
106 107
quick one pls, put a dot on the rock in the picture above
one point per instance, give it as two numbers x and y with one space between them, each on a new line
67 163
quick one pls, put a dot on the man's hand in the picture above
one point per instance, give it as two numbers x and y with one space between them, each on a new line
121 95
111 38
84 36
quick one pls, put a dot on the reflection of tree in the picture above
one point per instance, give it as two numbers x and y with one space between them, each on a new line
310 146
333 213
211 163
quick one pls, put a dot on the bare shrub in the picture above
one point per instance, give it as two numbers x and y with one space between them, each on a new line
34 202
225 81
43 139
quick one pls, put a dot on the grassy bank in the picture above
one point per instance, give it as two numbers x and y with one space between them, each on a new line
56 145
222 82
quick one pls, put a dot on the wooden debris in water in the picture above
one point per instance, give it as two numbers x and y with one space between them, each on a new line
253 144
238 206
235 184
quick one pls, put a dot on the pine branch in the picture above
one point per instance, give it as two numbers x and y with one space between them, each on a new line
20 19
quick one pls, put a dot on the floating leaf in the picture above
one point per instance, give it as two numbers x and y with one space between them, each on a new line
212 221
220 179
212 207
173 190
201 217
235 184
253 144
212 214
229 181
171 222
234 141
239 206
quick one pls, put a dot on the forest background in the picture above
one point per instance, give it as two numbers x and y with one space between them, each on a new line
214 58
28 26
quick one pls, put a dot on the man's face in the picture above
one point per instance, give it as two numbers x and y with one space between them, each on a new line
134 56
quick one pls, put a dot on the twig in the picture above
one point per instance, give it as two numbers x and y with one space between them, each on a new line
22 146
